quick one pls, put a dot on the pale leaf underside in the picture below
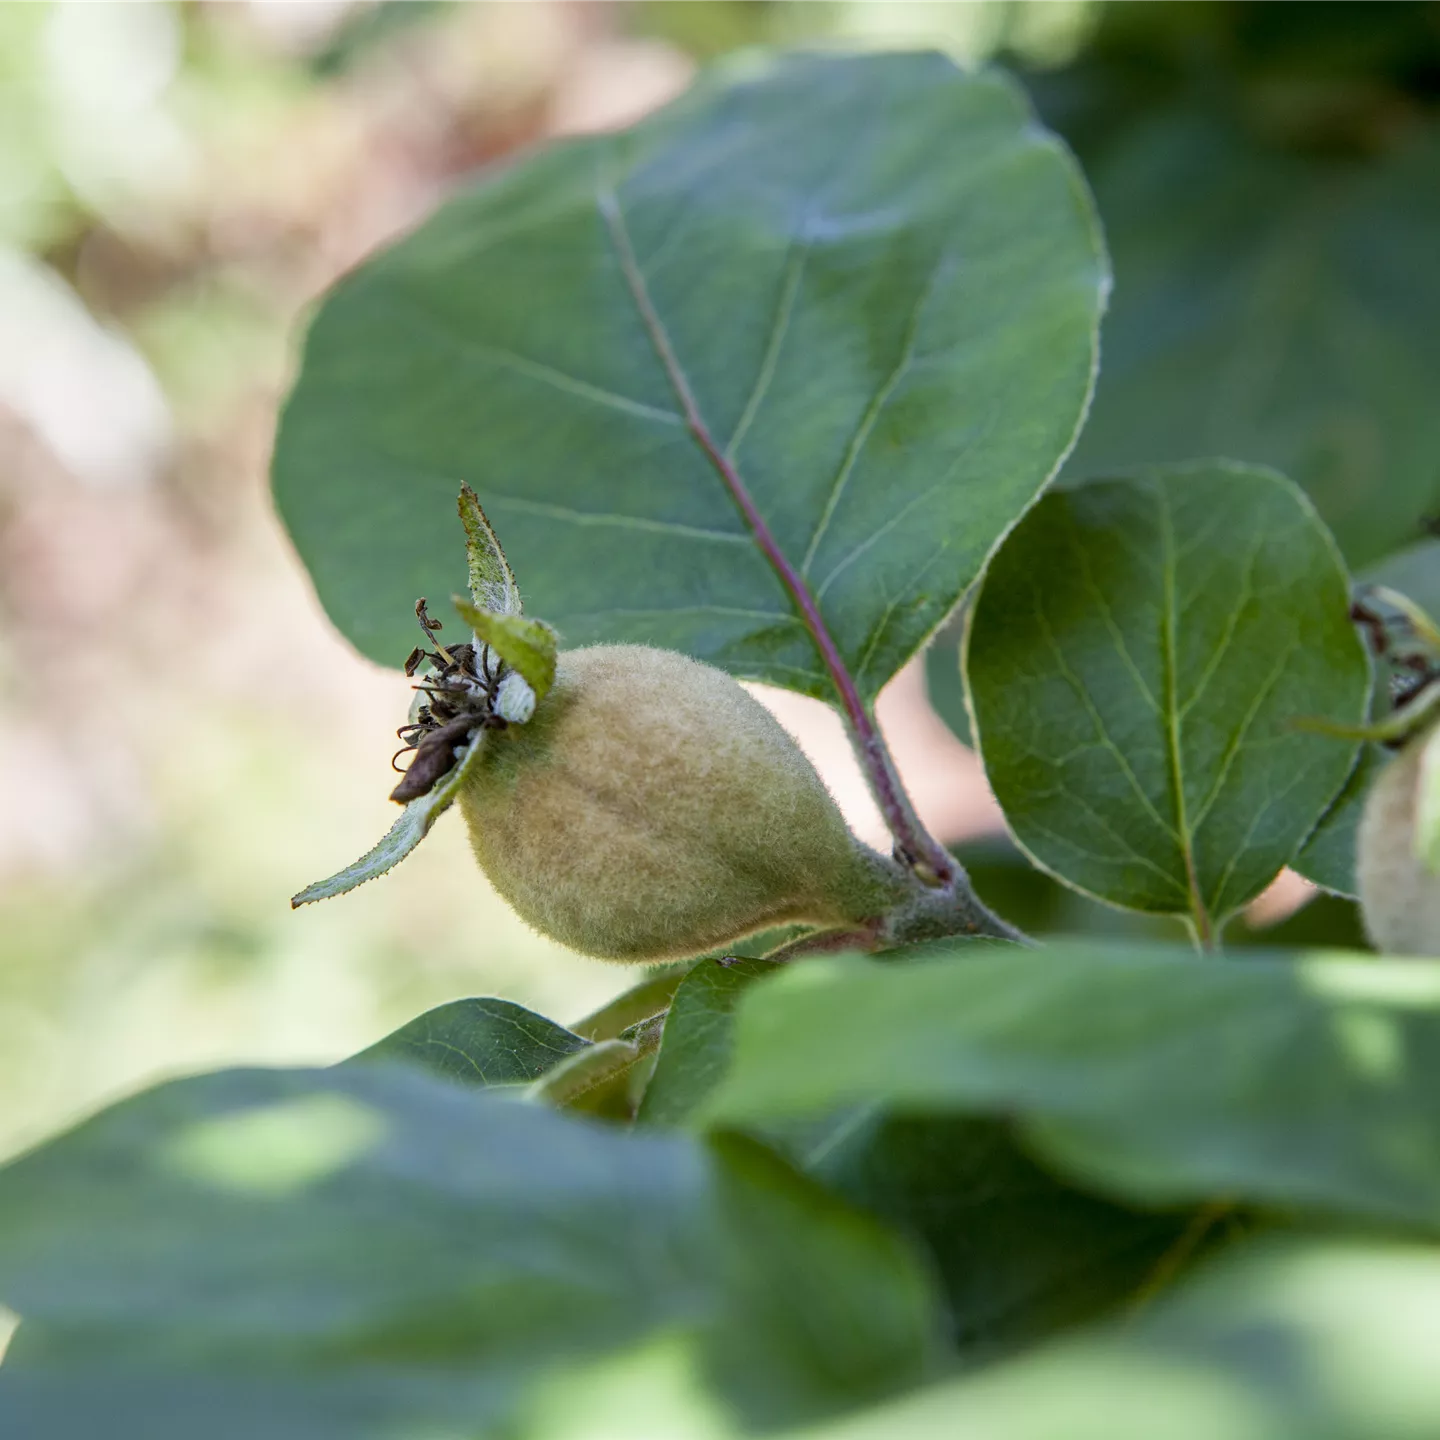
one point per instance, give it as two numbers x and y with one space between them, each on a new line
402 837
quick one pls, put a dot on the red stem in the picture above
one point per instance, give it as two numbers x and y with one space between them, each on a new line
916 844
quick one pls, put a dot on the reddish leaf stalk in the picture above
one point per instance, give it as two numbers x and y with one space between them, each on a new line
915 846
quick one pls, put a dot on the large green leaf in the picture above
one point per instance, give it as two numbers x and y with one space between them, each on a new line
1300 1081
1138 660
478 1042
1276 307
1020 1254
1283 1340
371 1252
863 289
695 1046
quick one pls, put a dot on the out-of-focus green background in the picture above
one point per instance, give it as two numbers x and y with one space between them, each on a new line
185 741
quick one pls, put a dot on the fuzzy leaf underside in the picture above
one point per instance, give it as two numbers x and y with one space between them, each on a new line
492 584
869 285
402 837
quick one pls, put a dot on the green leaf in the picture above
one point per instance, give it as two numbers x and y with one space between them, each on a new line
793 1256
478 1042
1328 856
425 1275
851 299
401 838
593 1079
1007 882
695 1046
1414 572
1303 1082
1138 660
527 646
492 584
944 684
1021 1255
1279 307
1295 1339
641 1002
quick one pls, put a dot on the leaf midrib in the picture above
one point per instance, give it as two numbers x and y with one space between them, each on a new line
1204 927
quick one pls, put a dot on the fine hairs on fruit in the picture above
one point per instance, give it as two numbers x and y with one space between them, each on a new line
652 809
1399 892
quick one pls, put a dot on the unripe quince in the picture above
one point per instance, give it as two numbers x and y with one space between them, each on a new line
1399 891
652 809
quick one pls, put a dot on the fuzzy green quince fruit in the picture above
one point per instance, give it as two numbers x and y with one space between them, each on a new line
1398 881
652 809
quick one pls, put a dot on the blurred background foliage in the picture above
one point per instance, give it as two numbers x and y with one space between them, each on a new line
185 741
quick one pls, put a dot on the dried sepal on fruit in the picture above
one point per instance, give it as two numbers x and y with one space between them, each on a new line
466 690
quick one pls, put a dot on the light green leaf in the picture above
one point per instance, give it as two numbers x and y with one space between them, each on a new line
1304 1082
492 585
1279 307
695 1047
641 1002
527 646
477 1042
1294 1339
840 309
1019 1253
588 1077
401 838
447 1261
1138 660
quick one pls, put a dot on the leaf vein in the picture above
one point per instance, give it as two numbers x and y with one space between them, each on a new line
547 374
878 401
780 327
1236 744
624 522
1082 693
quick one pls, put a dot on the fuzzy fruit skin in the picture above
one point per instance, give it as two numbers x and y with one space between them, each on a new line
1399 894
652 810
